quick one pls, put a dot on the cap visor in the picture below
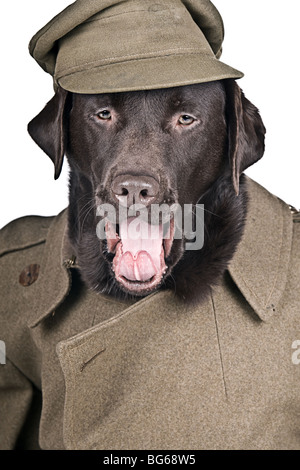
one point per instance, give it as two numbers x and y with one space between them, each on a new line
147 74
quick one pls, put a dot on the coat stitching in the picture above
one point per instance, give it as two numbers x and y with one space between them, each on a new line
219 346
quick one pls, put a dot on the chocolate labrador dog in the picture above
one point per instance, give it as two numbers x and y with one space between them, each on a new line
183 145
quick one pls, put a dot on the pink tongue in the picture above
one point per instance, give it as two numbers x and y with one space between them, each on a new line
142 245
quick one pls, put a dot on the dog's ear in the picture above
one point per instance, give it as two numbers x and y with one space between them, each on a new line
48 129
246 132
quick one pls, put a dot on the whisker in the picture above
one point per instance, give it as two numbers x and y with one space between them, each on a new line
88 211
84 206
209 212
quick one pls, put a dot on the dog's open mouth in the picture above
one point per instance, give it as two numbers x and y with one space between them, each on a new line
140 251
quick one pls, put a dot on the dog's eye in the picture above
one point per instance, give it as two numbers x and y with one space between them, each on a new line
105 114
186 120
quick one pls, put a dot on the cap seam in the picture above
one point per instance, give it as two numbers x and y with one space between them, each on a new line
89 20
120 59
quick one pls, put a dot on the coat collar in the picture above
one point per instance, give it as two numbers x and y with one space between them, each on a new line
259 267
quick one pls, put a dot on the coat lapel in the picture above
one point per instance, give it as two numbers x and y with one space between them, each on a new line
260 265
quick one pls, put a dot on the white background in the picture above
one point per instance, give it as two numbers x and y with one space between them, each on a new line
261 39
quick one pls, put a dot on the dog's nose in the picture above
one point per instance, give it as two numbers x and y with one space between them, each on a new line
129 190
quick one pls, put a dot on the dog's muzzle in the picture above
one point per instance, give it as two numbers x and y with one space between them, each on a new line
140 250
140 243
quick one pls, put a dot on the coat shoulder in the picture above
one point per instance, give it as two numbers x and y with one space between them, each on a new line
269 202
288 224
22 251
23 233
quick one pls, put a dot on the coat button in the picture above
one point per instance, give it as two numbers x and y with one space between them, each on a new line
29 275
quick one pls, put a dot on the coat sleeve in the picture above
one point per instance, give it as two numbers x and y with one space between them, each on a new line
16 400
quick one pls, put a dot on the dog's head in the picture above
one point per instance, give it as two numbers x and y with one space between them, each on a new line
158 148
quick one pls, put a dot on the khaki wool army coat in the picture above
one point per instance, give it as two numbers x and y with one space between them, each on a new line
86 371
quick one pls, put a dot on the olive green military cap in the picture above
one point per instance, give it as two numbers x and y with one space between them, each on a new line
101 46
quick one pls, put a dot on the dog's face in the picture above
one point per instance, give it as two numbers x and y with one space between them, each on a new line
155 147
173 139
148 147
